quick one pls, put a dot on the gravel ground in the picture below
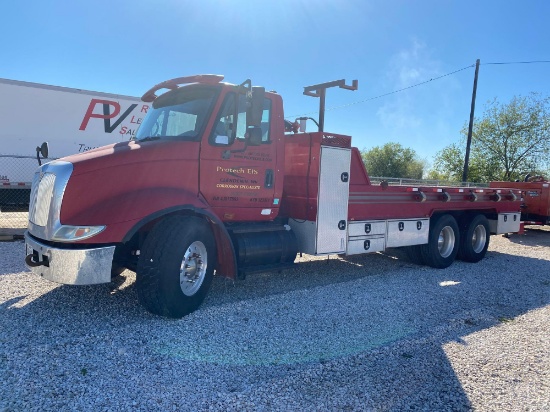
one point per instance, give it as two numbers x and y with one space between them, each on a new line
362 333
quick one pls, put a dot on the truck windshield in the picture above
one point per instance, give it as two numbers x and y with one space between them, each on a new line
178 114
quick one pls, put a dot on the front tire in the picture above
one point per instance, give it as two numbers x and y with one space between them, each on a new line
443 241
176 266
474 240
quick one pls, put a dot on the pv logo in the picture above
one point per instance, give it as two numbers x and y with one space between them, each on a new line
107 115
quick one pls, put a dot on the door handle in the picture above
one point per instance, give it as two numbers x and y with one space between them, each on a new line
268 179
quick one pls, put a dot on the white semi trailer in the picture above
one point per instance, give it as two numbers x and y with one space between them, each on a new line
70 120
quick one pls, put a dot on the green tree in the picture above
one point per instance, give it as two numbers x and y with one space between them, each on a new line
509 141
393 160
449 164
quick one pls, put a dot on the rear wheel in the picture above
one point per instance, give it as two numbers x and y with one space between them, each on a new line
474 240
176 266
443 241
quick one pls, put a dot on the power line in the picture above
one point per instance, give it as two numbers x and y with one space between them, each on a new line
386 94
419 84
528 62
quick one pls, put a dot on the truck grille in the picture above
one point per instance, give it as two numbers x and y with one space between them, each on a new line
41 198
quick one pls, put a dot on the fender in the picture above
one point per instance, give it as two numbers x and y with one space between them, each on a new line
226 258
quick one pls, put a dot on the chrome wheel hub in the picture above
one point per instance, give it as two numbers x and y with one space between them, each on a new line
479 238
446 241
193 268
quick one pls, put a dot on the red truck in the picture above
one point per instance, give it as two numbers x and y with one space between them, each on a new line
216 180
535 196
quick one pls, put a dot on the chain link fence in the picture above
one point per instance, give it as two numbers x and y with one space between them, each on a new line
16 173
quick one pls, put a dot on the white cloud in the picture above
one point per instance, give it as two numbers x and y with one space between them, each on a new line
398 116
419 117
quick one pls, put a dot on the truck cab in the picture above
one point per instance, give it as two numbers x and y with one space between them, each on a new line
209 153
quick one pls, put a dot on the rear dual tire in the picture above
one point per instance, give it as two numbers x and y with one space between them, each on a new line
446 242
443 243
474 239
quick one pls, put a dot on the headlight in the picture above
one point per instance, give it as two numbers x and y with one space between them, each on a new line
72 233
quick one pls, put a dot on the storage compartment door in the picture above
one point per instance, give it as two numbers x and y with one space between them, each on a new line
365 244
332 210
408 232
506 223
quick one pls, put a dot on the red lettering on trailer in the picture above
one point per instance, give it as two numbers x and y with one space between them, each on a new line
124 130
90 112
144 108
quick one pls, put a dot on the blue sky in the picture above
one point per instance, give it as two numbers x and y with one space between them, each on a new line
125 47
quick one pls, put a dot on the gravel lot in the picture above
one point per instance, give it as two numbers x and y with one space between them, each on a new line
364 333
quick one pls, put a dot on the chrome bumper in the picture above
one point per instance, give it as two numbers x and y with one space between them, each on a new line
69 266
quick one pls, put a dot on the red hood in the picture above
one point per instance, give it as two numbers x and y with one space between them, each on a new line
124 153
130 180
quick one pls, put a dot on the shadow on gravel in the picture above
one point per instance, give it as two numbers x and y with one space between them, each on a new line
370 328
534 236
11 302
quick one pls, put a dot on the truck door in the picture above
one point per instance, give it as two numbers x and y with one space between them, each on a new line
236 179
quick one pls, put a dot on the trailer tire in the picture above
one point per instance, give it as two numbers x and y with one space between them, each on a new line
474 239
443 242
176 266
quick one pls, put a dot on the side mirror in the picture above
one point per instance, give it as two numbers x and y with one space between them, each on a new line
254 136
255 108
42 150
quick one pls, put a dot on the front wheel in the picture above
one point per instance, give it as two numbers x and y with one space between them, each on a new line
176 266
474 240
443 240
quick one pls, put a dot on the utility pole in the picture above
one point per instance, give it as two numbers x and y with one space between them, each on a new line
470 126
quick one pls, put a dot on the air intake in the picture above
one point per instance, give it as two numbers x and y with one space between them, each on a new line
41 198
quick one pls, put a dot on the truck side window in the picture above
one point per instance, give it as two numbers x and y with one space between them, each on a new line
266 121
221 133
